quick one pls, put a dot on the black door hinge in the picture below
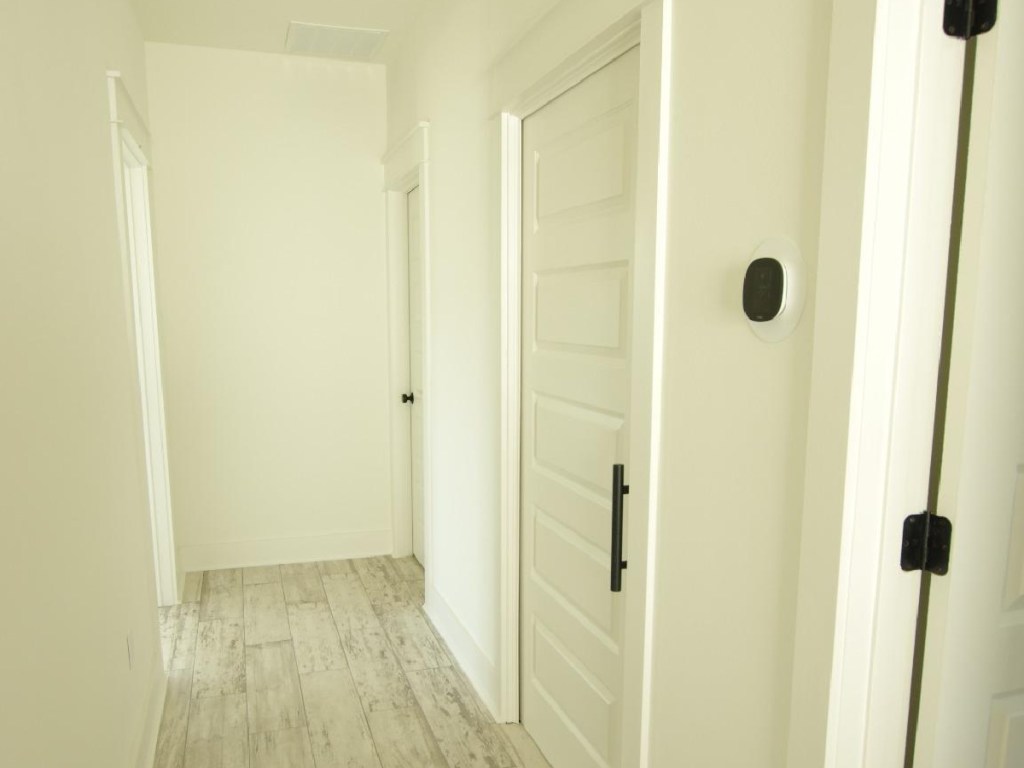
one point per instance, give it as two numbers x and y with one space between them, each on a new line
969 18
926 542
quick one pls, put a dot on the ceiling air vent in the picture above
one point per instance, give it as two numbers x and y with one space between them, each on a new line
334 42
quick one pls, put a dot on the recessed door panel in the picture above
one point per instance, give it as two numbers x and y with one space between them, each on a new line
581 308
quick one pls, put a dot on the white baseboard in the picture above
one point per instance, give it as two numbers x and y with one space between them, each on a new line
300 549
480 670
154 715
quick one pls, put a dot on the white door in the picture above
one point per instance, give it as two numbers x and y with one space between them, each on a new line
415 235
579 159
972 710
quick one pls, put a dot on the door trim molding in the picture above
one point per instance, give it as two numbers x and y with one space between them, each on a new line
596 55
130 142
405 168
648 26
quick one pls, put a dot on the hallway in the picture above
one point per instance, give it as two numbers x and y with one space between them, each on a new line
320 665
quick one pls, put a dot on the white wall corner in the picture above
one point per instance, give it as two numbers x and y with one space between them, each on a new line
478 668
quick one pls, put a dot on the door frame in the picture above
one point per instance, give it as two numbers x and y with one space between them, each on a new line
887 193
130 140
649 27
405 168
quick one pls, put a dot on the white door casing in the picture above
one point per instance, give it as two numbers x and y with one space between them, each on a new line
414 230
131 170
406 183
972 711
578 240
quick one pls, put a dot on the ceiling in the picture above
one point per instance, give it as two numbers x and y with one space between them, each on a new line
262 25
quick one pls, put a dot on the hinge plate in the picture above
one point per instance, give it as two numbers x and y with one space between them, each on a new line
969 18
926 543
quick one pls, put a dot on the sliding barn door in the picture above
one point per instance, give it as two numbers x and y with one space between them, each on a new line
579 158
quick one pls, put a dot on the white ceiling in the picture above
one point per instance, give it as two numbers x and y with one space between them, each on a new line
262 25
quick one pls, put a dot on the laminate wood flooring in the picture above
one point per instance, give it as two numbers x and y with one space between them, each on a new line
320 665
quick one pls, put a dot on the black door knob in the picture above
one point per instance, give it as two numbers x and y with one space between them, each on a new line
410 398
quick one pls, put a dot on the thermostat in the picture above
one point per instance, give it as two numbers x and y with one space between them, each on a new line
773 289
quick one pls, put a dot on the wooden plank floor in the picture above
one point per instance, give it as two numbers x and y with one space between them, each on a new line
320 665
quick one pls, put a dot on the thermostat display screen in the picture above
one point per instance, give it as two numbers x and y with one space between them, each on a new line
764 290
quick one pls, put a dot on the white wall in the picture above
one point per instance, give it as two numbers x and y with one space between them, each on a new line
746 154
76 571
272 298
748 108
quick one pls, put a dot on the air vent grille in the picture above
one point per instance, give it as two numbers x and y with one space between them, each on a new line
330 42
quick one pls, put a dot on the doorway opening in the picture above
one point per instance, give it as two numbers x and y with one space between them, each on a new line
409 318
131 170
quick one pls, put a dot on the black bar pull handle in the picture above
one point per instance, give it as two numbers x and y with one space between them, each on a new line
619 489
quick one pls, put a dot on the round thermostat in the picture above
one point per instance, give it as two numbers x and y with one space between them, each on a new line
774 289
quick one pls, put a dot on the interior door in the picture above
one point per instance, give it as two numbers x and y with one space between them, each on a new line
579 159
972 696
415 234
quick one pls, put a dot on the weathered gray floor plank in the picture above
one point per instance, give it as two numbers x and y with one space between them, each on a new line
377 674
218 733
266 618
383 586
334 567
358 678
280 749
415 593
170 741
221 595
349 602
338 730
185 643
168 632
317 645
412 640
272 688
301 583
408 568
462 731
521 746
404 739
219 659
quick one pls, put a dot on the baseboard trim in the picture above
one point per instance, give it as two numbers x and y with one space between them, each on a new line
480 670
299 549
154 715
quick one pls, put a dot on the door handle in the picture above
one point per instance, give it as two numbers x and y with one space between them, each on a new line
619 489
410 398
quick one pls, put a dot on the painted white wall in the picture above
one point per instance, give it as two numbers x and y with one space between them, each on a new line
272 299
76 570
747 126
746 155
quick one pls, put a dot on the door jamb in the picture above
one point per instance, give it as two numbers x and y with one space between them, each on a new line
129 140
648 26
887 188
405 168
